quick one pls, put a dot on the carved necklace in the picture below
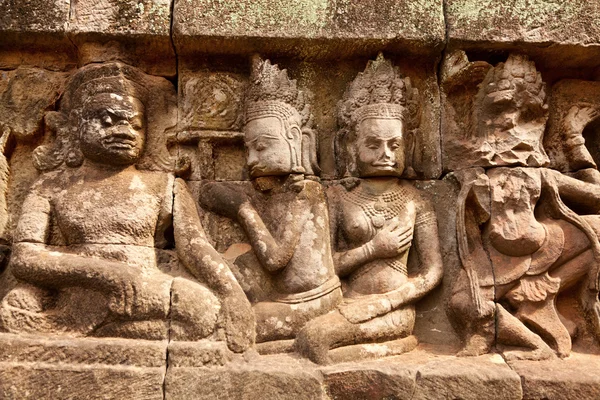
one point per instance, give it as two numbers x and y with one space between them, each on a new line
379 208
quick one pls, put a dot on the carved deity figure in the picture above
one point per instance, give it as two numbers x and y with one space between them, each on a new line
91 248
376 222
526 234
283 214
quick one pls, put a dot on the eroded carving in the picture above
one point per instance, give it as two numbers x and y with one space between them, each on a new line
527 236
290 274
376 221
109 243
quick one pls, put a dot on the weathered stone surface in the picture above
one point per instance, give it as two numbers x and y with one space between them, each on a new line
535 21
573 378
308 27
68 368
468 378
31 33
113 30
432 324
554 31
268 377
422 375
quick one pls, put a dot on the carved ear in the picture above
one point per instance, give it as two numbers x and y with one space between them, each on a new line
309 152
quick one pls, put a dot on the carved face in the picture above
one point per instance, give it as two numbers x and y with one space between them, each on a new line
513 124
268 153
380 147
113 129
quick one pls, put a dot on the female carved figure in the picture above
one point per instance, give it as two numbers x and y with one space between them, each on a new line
89 241
375 224
283 214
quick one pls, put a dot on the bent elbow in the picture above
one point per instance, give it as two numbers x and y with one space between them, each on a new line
22 264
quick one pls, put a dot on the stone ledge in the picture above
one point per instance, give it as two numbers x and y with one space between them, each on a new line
95 368
560 33
308 28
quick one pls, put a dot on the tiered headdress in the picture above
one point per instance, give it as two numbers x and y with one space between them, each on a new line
379 92
272 93
520 76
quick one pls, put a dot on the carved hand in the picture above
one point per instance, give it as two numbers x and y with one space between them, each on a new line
392 240
365 308
223 199
239 322
578 117
122 295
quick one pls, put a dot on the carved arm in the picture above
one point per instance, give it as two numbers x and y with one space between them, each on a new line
272 255
193 247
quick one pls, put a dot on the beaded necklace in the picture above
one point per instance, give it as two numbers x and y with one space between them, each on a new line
379 208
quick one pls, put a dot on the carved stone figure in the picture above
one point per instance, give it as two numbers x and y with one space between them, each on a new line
376 221
526 235
283 214
91 246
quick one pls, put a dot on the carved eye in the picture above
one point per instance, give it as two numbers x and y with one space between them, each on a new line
394 146
137 124
260 146
372 146
107 120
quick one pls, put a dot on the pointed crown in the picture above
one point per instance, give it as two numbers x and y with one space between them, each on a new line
379 92
517 74
272 92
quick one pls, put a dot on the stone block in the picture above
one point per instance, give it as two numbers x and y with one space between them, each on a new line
421 374
124 30
34 33
432 324
563 33
210 101
308 27
573 378
265 377
69 368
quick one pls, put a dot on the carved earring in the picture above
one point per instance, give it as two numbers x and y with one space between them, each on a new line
74 157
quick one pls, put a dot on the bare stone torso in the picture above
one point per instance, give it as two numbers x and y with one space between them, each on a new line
311 264
113 216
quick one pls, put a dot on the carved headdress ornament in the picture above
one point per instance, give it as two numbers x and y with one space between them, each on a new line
379 92
271 93
517 75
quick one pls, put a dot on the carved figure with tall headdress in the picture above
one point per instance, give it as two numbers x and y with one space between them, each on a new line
377 219
282 212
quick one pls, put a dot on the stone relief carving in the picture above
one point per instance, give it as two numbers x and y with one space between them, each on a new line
528 235
289 272
377 220
109 243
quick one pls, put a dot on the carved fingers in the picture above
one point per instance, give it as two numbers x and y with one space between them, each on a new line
239 322
395 238
579 116
365 308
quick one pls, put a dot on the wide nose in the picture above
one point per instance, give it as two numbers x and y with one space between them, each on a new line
387 153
